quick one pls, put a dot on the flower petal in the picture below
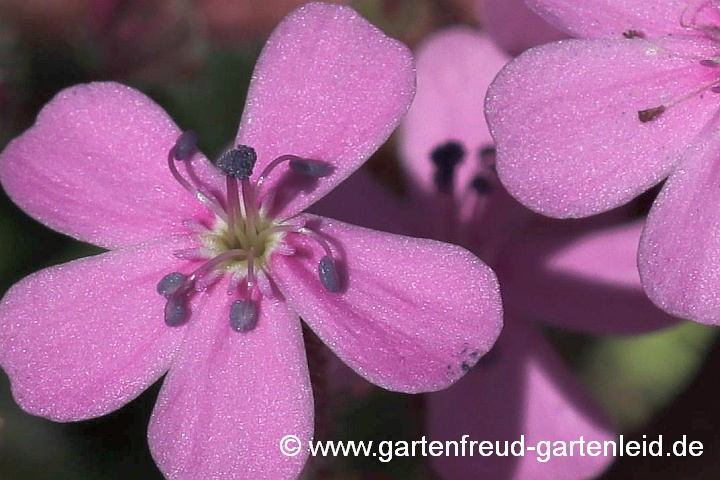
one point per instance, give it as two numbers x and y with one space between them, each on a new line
94 166
565 118
514 27
231 397
597 18
520 388
455 68
580 278
412 314
328 86
680 247
81 339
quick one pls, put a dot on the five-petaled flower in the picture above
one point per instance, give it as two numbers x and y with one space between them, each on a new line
238 268
585 125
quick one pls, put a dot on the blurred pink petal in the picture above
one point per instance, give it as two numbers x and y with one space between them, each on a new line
681 243
361 200
521 388
233 20
583 278
514 27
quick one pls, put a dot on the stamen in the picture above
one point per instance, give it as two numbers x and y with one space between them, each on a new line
250 278
238 162
302 231
170 284
185 146
650 113
446 157
205 281
710 62
304 166
243 316
488 153
233 203
633 34
182 145
249 205
327 271
482 185
176 311
311 168
711 31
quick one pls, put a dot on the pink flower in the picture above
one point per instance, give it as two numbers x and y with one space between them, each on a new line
82 339
574 275
583 126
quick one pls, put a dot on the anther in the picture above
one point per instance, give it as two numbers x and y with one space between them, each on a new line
311 168
633 34
238 162
446 157
482 185
170 284
487 155
176 311
304 166
710 62
243 315
328 273
650 113
185 146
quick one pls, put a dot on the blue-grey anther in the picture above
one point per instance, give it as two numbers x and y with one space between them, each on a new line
176 311
487 152
482 185
238 162
243 315
311 168
185 146
170 284
446 157
328 274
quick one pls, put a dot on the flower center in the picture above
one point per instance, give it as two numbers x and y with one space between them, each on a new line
242 238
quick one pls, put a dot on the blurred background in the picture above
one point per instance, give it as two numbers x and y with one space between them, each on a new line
195 58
